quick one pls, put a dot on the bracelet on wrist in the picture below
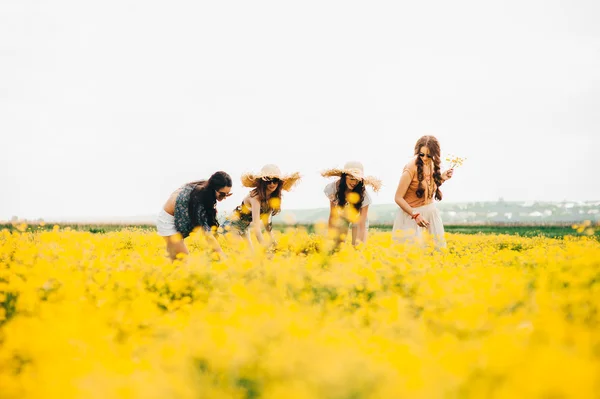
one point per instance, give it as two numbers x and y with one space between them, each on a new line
416 215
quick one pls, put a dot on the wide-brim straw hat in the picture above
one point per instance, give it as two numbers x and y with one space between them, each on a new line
355 169
268 172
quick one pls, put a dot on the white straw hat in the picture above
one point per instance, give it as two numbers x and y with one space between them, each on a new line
270 171
355 169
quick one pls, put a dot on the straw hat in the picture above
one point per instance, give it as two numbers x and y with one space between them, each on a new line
355 169
270 171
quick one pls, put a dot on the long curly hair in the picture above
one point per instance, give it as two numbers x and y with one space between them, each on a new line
205 194
265 201
434 149
341 193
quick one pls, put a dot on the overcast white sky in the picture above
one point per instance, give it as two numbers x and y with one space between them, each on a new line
107 106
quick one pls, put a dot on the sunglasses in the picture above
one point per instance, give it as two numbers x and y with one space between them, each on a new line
428 155
221 194
274 181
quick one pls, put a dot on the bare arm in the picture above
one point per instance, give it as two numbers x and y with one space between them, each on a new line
212 240
361 231
269 229
256 221
447 174
208 230
405 180
332 214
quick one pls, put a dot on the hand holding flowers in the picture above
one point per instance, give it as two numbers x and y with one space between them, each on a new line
454 161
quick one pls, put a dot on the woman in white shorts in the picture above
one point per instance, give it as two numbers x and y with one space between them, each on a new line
349 200
419 185
193 205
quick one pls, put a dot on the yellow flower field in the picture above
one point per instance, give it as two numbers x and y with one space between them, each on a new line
108 316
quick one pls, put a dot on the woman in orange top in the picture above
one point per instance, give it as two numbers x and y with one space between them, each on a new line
419 185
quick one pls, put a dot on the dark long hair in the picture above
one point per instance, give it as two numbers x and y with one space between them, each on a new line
341 193
261 192
205 194
434 149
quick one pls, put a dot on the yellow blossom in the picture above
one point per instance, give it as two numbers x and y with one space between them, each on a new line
87 315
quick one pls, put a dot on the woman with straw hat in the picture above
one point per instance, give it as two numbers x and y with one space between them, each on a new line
419 185
349 200
263 202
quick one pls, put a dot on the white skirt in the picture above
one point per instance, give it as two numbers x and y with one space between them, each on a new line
406 229
165 224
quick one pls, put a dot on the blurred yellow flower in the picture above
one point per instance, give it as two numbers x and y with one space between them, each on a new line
275 203
353 198
87 315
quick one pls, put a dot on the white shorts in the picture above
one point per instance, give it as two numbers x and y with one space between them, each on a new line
405 228
165 224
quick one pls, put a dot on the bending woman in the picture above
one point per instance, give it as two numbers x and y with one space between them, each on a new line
349 201
190 206
262 203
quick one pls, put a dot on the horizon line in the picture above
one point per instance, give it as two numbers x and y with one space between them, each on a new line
60 219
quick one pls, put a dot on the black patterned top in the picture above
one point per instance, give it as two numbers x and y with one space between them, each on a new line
183 221
242 217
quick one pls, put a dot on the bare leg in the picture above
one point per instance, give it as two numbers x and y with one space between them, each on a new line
175 246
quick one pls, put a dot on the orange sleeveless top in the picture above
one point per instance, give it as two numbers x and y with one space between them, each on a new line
428 184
